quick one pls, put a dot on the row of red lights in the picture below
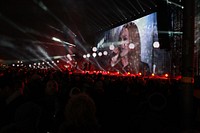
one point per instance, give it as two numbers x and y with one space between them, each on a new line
125 74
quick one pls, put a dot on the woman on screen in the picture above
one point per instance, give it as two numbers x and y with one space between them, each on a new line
127 54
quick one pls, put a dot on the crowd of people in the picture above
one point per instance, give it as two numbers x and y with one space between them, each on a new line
50 101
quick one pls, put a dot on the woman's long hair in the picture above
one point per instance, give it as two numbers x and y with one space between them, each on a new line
134 55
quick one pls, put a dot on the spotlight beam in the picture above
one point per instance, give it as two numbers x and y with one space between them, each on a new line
140 5
58 40
173 3
44 7
171 32
133 6
13 24
111 43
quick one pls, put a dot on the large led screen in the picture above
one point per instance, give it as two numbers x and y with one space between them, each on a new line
130 47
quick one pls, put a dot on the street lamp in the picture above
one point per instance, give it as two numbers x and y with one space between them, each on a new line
156 45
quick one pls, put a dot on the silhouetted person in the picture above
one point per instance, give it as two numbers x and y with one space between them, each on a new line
80 115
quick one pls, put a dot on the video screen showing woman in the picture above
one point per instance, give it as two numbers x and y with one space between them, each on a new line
130 45
127 54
